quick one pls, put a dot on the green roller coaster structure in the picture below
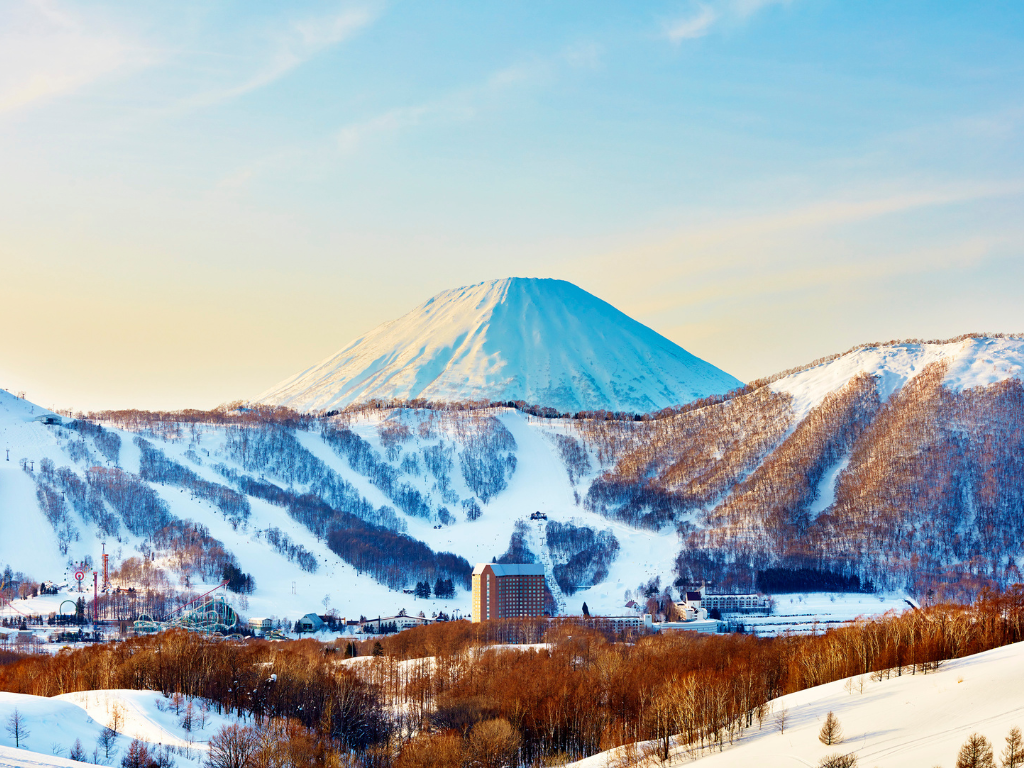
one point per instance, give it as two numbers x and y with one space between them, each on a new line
207 614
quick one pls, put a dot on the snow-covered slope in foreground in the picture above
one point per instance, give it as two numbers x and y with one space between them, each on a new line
902 722
51 726
543 341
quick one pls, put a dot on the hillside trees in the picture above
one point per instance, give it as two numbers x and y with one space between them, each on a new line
518 549
765 518
667 467
366 461
297 553
574 456
488 459
582 555
107 442
932 480
154 466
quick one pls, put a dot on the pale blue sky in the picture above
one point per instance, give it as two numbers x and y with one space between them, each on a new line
197 200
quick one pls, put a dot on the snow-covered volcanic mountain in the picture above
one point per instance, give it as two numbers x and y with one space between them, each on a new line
546 342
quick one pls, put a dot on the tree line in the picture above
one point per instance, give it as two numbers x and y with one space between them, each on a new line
439 695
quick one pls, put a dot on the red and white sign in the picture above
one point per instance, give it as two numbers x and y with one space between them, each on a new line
79 575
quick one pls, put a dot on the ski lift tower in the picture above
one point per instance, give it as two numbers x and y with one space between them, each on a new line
106 573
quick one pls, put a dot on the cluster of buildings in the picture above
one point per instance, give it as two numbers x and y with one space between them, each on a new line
507 591
517 590
312 622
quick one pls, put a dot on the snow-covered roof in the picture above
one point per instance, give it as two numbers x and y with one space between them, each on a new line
511 569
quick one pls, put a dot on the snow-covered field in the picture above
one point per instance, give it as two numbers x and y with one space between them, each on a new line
54 725
816 612
912 721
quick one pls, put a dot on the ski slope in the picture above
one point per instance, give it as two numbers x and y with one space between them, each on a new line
284 591
546 342
904 722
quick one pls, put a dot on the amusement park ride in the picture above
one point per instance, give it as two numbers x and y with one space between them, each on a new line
207 613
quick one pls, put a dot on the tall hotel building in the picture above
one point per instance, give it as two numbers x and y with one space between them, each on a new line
507 591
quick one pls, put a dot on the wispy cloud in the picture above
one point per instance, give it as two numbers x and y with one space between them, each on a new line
693 26
46 51
786 241
398 119
708 15
297 43
745 8
460 104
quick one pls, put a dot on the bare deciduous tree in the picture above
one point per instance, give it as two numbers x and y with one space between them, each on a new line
493 743
16 727
117 718
77 751
232 747
106 741
781 717
838 761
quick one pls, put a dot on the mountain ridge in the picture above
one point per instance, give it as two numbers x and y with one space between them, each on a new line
907 448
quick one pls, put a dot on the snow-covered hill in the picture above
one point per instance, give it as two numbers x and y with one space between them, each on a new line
545 342
899 722
351 510
52 726
444 480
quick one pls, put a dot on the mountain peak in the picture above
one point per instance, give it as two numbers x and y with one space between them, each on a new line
545 341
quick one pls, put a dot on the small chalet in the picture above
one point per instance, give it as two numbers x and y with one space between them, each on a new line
311 623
